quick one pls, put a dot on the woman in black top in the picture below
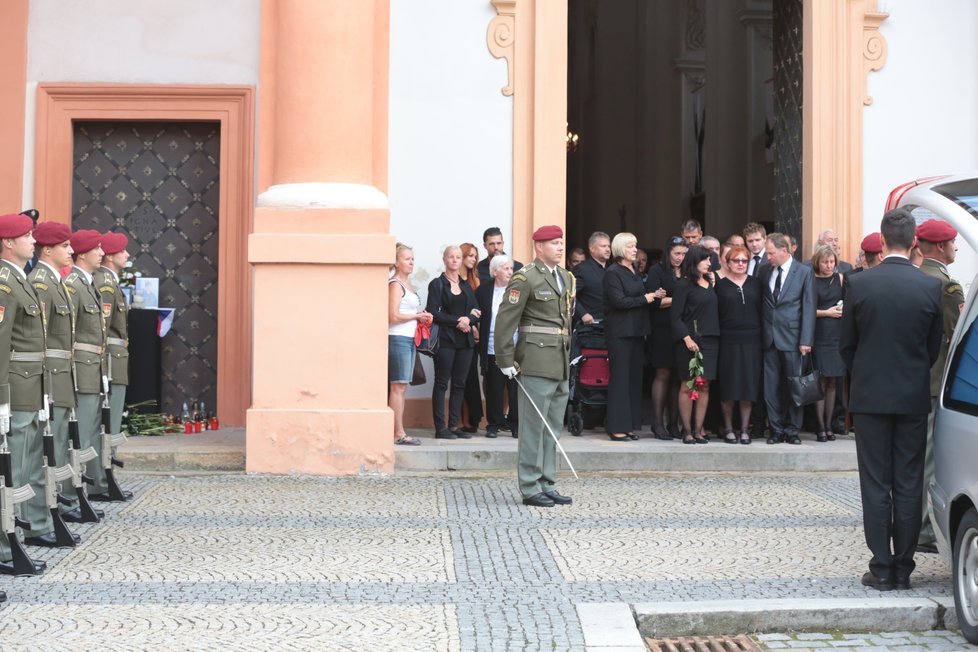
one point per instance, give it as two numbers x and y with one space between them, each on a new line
695 327
626 323
739 301
829 291
662 281
453 305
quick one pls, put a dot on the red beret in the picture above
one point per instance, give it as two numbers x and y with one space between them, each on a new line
872 244
936 231
14 226
549 232
85 240
48 234
113 243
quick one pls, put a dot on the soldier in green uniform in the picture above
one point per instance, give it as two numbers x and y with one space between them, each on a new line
22 344
116 312
936 242
539 303
88 348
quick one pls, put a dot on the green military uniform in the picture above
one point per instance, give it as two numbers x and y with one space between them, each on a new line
22 344
541 308
60 320
88 349
116 358
952 297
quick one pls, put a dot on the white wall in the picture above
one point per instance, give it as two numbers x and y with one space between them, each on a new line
171 41
451 133
925 99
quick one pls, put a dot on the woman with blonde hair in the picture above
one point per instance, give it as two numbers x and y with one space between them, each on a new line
829 292
403 314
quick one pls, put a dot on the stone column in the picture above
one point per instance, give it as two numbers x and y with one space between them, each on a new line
320 247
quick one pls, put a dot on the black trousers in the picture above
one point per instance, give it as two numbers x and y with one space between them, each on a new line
451 366
473 391
496 383
783 416
625 356
890 453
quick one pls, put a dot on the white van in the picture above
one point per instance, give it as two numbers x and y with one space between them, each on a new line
953 199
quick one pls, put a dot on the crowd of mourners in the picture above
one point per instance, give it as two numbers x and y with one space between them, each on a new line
700 322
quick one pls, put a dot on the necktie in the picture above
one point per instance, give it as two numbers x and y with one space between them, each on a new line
777 285
557 280
757 265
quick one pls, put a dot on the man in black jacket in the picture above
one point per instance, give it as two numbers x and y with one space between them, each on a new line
891 335
590 280
492 241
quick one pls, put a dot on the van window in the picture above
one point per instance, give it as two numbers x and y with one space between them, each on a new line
964 193
961 392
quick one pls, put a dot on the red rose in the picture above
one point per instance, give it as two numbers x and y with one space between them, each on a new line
693 396
700 382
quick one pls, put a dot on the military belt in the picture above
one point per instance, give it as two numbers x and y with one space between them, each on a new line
27 356
60 354
90 348
545 330
117 341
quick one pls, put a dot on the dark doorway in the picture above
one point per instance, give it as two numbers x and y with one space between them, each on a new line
674 105
158 182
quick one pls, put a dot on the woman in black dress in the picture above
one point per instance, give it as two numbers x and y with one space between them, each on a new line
739 301
829 291
453 305
626 323
662 281
695 327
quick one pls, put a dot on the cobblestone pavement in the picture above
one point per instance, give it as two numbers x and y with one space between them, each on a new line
864 642
432 563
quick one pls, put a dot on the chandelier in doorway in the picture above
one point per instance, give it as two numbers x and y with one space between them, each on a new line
572 139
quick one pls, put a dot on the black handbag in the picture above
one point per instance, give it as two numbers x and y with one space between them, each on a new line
418 378
429 345
806 388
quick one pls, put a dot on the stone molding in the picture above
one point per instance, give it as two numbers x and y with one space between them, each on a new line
874 48
501 38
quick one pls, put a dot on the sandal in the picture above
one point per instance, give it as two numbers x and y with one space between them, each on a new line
408 441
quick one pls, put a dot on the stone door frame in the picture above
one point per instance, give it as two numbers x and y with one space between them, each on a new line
59 105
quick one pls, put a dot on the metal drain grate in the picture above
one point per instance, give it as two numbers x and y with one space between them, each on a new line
742 643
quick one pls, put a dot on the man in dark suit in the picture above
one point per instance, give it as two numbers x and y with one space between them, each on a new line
490 296
788 331
755 236
492 241
590 280
890 336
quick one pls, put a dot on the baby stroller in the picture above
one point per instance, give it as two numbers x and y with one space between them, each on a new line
589 374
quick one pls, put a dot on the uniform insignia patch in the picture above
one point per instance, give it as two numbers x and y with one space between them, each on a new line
5 273
514 296
70 289
71 278
953 288
41 286
107 288
107 309
6 288
518 277
41 274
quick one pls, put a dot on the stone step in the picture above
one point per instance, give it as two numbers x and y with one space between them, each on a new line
224 451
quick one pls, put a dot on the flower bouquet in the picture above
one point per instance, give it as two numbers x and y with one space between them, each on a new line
696 380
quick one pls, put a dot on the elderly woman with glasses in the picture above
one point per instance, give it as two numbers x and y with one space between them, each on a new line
739 301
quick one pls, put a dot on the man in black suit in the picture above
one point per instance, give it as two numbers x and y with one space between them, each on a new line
590 280
890 336
788 331
755 236
492 241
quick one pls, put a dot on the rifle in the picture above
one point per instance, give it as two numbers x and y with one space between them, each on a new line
53 474
20 563
77 460
108 440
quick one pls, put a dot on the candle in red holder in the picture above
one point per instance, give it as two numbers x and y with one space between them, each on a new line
215 424
188 428
197 426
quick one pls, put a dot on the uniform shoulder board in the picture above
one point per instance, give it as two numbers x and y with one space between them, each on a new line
518 276
41 274
6 288
954 288
5 273
107 288
71 278
525 268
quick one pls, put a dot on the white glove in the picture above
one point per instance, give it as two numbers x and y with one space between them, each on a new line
4 418
509 372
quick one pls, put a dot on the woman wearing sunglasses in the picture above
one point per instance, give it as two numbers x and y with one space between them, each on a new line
739 302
